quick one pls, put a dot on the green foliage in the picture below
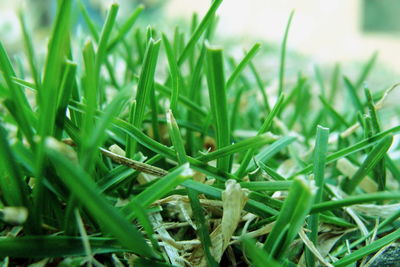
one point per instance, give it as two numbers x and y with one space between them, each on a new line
131 161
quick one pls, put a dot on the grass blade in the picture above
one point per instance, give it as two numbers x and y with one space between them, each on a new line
88 194
218 101
281 85
201 28
321 147
240 67
376 154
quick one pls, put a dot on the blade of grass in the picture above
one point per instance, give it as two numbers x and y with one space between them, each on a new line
366 70
16 103
379 170
368 249
30 50
260 84
353 200
321 147
352 91
87 192
353 148
174 74
290 219
258 256
159 189
125 28
146 81
376 154
247 144
241 172
176 138
281 85
201 28
240 67
218 101
270 151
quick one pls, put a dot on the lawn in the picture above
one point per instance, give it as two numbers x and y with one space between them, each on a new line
135 147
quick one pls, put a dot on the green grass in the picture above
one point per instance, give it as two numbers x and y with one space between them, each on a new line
117 149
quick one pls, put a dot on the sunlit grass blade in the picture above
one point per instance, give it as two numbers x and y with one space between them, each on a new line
145 83
281 85
57 53
243 63
374 156
201 28
321 147
125 28
88 194
92 27
218 101
270 151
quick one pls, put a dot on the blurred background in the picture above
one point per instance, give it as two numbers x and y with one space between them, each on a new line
323 32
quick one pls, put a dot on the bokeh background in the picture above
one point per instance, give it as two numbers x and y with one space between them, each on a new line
323 32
